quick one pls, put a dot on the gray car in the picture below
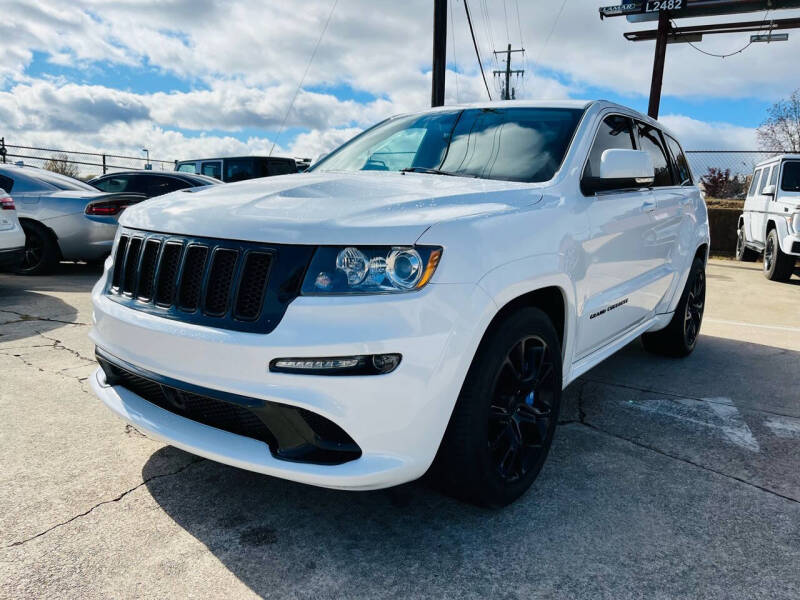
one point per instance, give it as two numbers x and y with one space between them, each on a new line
63 218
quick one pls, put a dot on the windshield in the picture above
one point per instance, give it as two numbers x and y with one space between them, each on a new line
513 144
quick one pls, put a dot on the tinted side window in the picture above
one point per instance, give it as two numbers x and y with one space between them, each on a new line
791 176
6 183
281 167
616 132
239 169
187 167
113 184
212 169
773 180
158 186
650 142
681 164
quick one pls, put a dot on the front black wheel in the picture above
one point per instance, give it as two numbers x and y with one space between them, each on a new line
777 265
503 424
41 250
679 338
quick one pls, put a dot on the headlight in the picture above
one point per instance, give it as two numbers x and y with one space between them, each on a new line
794 222
370 270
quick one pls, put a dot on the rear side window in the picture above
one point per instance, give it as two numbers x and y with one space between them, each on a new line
765 179
650 142
616 132
681 164
754 183
791 177
187 167
281 167
157 186
212 169
239 169
113 184
6 183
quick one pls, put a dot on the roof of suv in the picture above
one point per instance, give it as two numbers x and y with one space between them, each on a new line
776 158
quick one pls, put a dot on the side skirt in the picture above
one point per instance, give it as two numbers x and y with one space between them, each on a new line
580 367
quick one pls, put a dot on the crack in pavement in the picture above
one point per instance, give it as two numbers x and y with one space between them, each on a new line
688 461
23 317
99 504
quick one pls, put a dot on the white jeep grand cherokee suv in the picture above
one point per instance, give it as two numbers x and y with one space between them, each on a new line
417 300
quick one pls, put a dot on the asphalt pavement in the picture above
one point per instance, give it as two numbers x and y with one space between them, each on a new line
668 478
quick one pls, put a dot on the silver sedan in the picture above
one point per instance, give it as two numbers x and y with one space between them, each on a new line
63 218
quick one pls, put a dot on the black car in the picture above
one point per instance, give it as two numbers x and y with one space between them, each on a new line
150 183
239 168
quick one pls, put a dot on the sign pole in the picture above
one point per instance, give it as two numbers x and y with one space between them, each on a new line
658 64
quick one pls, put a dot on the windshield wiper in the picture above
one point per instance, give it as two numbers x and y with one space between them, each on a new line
426 170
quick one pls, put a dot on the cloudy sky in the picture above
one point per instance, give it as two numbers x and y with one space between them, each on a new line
204 77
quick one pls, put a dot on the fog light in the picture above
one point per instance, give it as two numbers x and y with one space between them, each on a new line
369 364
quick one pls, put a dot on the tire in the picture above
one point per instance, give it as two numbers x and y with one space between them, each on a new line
777 265
503 423
679 338
743 253
41 250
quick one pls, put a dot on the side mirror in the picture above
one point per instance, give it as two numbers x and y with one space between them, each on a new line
769 190
619 164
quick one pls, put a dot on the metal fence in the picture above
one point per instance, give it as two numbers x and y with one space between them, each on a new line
78 163
738 163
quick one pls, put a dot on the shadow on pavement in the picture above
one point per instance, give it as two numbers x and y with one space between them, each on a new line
28 305
605 516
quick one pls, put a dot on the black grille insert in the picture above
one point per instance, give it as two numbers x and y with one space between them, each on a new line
229 284
192 277
292 434
218 290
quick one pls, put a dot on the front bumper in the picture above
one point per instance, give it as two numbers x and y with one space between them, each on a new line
791 244
397 419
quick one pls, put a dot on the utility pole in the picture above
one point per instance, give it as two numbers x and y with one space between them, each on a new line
439 52
507 92
658 64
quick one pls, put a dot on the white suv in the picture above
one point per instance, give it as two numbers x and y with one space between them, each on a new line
417 300
770 222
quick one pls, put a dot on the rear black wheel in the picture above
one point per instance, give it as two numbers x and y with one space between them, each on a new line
503 423
743 253
41 250
777 265
679 338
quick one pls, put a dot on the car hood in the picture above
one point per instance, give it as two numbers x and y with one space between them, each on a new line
328 208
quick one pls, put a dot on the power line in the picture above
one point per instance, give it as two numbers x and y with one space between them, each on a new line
552 29
742 49
303 78
477 54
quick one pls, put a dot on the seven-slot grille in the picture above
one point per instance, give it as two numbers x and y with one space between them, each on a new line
221 283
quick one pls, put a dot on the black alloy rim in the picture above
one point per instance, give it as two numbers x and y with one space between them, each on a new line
34 249
769 254
694 309
520 415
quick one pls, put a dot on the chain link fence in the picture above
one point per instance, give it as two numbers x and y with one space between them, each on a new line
83 165
726 173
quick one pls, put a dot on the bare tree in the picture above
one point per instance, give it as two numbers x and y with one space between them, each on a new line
59 163
781 129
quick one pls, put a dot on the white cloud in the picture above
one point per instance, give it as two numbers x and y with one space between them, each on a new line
702 135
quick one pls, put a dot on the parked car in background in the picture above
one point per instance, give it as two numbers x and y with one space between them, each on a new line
62 217
238 168
150 183
770 223
12 238
417 300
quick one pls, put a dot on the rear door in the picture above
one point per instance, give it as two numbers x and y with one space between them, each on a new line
749 206
212 168
617 250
